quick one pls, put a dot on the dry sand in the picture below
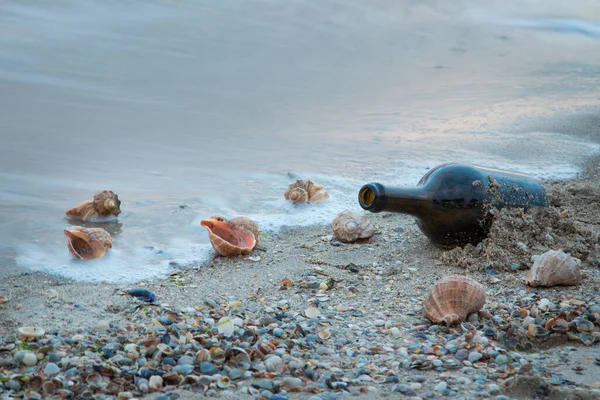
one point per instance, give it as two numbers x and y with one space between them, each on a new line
384 279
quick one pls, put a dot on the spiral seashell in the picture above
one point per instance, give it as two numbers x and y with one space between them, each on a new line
554 268
88 243
105 206
350 226
231 238
306 191
453 298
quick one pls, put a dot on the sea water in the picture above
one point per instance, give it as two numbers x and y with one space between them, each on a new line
193 109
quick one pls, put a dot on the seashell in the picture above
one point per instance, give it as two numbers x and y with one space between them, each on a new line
231 237
35 383
105 206
557 324
31 332
306 191
225 326
554 268
165 349
224 382
3 299
350 226
324 335
285 283
453 298
94 380
583 325
88 243
217 355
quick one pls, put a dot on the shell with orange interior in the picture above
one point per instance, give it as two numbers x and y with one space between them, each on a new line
231 237
88 243
105 206
453 298
306 191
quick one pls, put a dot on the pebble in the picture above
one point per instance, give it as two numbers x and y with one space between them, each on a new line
475 356
184 369
379 322
440 387
186 360
272 363
155 383
29 359
51 369
207 368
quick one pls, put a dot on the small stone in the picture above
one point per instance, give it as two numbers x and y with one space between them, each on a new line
395 331
155 383
494 389
462 354
291 384
185 369
186 360
501 359
441 387
272 363
29 359
278 332
475 356
379 322
419 378
51 369
416 386
54 357
207 368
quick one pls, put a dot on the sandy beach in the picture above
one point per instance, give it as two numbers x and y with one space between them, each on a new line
370 339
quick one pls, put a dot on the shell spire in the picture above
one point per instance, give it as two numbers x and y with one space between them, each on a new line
306 191
231 237
88 243
105 205
453 298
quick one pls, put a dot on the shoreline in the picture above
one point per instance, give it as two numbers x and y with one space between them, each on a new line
372 314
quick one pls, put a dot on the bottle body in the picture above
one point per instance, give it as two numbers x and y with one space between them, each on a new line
452 202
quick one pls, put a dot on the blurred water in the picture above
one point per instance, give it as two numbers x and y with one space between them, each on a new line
210 105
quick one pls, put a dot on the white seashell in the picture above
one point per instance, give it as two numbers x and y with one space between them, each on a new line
554 268
350 226
312 312
31 332
225 326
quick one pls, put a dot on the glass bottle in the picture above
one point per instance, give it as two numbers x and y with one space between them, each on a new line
452 202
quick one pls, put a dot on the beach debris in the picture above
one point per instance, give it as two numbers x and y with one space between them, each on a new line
87 243
31 332
225 326
306 191
453 298
231 237
105 206
286 283
142 294
554 268
351 226
3 299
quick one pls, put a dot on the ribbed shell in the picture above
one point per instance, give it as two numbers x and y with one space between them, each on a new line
105 204
231 238
87 243
453 298
306 191
350 226
554 268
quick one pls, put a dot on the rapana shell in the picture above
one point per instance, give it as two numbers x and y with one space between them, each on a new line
554 268
105 205
453 298
231 237
350 226
88 243
306 191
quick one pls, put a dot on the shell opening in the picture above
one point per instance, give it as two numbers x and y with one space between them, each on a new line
224 230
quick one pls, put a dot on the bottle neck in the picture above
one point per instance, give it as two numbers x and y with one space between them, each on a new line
375 197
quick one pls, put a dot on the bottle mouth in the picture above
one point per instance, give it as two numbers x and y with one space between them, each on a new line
369 197
366 196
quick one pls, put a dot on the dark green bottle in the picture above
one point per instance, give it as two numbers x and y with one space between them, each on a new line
452 202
